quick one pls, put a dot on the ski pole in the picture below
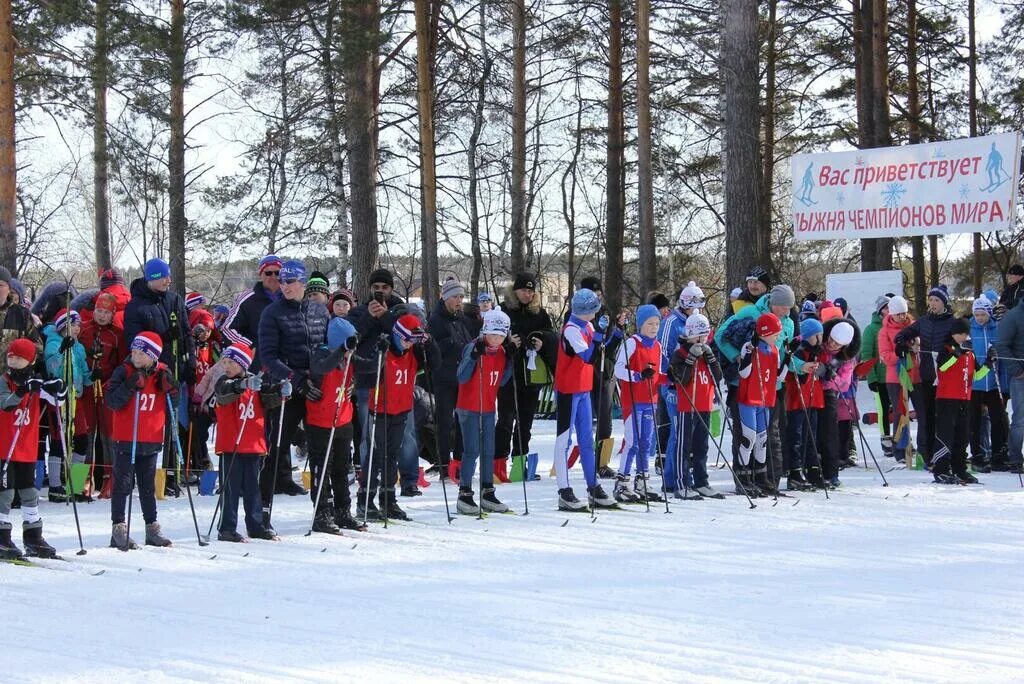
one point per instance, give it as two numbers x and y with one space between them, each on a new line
330 443
811 432
10 455
864 443
226 477
372 416
480 445
718 445
518 437
188 490
657 451
277 448
437 438
131 491
67 468
636 426
767 427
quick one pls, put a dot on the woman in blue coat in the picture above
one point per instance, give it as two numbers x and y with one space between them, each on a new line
987 393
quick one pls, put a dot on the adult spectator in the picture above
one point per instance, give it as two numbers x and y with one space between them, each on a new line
531 331
661 302
15 319
758 282
926 337
876 376
1014 290
155 308
451 331
242 326
290 329
1010 352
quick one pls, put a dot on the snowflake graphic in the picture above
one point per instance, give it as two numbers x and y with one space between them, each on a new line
859 161
841 198
965 191
938 153
892 194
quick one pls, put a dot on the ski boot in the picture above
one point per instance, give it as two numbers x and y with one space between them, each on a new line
35 545
411 490
230 536
266 523
745 482
623 491
598 497
709 492
323 521
965 477
687 494
154 537
266 533
642 487
815 479
490 502
795 481
366 507
119 538
389 506
606 473
57 494
465 504
887 446
8 549
290 487
567 501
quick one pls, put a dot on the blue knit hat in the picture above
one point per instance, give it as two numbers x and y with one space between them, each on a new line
293 270
810 327
645 313
940 292
585 302
155 269
338 333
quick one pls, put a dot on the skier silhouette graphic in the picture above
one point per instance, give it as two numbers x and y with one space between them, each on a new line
807 186
997 175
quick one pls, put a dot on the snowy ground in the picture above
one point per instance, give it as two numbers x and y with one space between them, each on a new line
913 582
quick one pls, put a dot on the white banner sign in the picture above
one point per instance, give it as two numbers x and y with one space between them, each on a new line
955 186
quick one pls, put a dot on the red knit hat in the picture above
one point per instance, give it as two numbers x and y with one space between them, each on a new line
768 324
105 300
23 348
200 317
408 328
240 353
64 318
149 343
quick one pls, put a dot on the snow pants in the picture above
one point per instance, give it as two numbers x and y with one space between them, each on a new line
572 413
388 433
753 452
688 469
127 476
21 477
638 438
952 428
801 439
335 489
240 478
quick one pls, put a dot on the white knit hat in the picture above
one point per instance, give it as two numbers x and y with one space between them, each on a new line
898 305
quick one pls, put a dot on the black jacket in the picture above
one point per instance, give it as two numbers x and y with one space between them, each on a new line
289 332
529 319
451 332
370 329
1012 295
243 321
933 330
150 311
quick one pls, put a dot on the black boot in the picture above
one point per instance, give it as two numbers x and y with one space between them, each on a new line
8 549
389 506
795 481
815 479
745 482
323 521
343 519
366 507
35 545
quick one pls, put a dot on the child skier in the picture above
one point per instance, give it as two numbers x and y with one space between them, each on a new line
987 394
697 373
330 370
760 368
103 341
136 393
840 346
241 444
574 379
201 323
957 370
804 399
20 392
638 370
61 345
483 369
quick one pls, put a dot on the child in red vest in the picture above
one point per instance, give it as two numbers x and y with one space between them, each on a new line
958 368
574 379
201 322
804 399
241 444
331 371
20 392
638 370
103 340
760 368
137 395
697 373
484 368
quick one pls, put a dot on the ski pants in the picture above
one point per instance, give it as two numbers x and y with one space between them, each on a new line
271 477
21 477
754 444
478 446
449 434
776 429
671 399
388 434
801 437
828 436
688 468
240 477
127 476
508 434
200 425
572 413
993 401
409 457
601 401
638 438
335 489
1017 420
952 427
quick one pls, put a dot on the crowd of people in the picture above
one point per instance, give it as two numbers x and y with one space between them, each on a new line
366 388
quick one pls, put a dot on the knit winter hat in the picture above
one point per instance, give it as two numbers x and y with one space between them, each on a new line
524 281
452 288
842 333
150 344
484 297
105 300
809 309
691 297
240 353
782 295
110 277
982 304
961 326
585 302
940 292
200 317
343 293
194 300
768 324
339 331
64 318
660 301
318 283
408 328
645 313
496 323
155 269
1016 269
697 325
293 270
991 295
268 261
810 327
898 305
23 348
5 275
842 304
881 303
591 283
382 275
758 273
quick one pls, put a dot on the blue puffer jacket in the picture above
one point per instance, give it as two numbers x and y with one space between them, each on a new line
983 337
55 360
289 332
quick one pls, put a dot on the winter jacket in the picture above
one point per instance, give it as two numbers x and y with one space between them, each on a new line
529 319
289 332
104 346
243 321
888 354
671 328
370 329
1012 295
934 331
85 303
604 364
150 311
80 376
120 396
54 297
1010 341
844 361
869 350
451 332
16 321
731 352
982 338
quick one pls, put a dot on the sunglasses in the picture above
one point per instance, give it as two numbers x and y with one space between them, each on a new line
291 281
272 274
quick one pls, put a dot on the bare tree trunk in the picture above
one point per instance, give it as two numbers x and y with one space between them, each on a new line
334 131
176 154
570 177
972 110
429 279
471 153
8 165
880 84
279 144
914 133
517 231
360 40
744 243
645 175
615 211
100 155
768 121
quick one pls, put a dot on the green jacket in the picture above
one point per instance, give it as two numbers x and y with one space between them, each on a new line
869 349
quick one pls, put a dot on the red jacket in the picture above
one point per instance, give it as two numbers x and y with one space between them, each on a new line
635 389
490 366
245 416
393 395
321 413
573 374
152 412
26 416
805 384
956 381
757 388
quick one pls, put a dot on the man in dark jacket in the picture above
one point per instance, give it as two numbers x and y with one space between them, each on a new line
1010 346
531 330
290 330
15 320
154 307
243 322
1014 291
451 331
927 335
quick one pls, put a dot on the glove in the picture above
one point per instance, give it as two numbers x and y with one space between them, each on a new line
136 379
351 343
602 323
786 358
794 345
647 373
478 348
383 344
957 351
164 381
313 392
254 382
747 349
697 349
66 343
286 389
709 354
820 371
97 374
875 387
55 388
509 347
